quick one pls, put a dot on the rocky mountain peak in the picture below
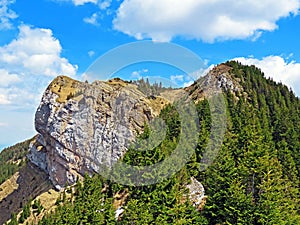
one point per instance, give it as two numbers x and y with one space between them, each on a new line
82 126
217 79
85 126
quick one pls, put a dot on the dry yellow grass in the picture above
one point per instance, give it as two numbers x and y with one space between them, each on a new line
9 186
117 81
173 95
27 184
156 104
48 200
120 198
66 88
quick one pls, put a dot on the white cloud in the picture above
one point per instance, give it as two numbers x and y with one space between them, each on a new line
91 53
28 63
202 72
105 4
4 100
35 52
6 15
96 17
93 19
189 83
278 68
135 74
176 78
7 78
3 124
82 2
187 80
183 80
102 5
139 73
201 19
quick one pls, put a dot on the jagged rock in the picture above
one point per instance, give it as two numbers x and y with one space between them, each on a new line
85 126
119 213
38 153
196 193
217 79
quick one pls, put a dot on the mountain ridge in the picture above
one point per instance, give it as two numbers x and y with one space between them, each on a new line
262 137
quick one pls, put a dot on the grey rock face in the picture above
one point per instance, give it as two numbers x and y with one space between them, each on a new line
83 127
196 193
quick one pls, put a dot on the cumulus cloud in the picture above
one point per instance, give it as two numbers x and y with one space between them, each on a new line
97 16
278 68
28 63
93 19
6 15
199 19
36 52
7 78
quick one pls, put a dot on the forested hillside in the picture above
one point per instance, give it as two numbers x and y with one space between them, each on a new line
254 180
12 159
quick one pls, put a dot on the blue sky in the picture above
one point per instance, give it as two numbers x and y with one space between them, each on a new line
42 39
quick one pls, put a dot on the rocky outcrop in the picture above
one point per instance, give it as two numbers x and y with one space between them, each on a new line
196 194
217 79
83 127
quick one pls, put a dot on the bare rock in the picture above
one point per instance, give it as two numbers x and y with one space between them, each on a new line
216 80
196 194
83 127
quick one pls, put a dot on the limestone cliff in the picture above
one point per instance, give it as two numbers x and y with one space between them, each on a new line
82 126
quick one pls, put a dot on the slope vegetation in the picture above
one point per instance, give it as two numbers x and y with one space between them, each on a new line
253 180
